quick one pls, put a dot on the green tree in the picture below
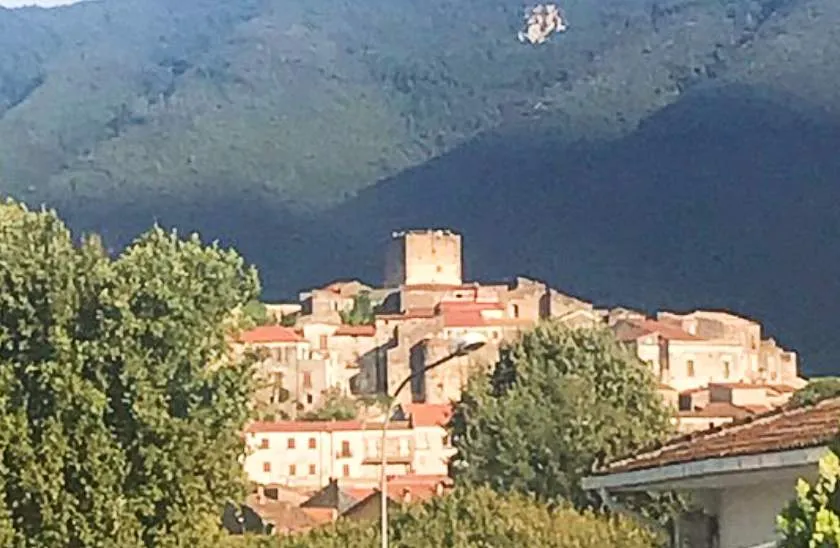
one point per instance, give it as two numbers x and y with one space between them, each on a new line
477 517
362 311
256 313
559 402
336 406
812 519
816 390
121 409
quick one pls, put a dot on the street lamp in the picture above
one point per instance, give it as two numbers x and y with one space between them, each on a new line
462 346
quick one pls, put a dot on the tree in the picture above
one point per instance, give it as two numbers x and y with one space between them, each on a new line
813 517
257 313
558 402
362 311
476 517
120 405
816 390
336 406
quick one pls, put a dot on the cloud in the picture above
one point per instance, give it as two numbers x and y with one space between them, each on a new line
41 3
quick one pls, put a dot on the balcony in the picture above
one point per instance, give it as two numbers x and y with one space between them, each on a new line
396 454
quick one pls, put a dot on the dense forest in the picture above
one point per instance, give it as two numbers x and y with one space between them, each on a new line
671 153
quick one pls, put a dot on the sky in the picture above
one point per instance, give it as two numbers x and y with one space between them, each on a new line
43 3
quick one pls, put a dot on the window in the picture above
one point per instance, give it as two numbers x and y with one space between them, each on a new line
312 443
266 467
279 354
689 367
345 449
323 342
514 310
264 443
726 369
307 379
345 470
292 470
290 443
311 469
309 398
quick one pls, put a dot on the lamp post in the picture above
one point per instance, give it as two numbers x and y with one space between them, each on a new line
461 347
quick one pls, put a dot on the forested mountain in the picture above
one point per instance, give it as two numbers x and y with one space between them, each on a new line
670 153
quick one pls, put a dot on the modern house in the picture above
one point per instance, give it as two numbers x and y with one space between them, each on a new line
740 475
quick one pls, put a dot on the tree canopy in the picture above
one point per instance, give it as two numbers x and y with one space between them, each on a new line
362 311
816 390
476 517
335 406
558 402
120 405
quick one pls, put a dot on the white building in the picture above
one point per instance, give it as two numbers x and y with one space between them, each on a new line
302 454
741 475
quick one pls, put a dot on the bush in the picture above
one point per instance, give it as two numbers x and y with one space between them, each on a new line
476 517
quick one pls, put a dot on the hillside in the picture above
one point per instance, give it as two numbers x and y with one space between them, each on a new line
658 154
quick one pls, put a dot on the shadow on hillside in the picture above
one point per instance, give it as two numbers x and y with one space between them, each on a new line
726 199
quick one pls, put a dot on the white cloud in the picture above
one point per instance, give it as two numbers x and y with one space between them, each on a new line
42 3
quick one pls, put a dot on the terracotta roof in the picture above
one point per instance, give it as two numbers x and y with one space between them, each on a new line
469 305
719 410
439 287
413 314
319 515
473 318
739 385
429 414
284 516
355 331
691 391
319 426
270 334
779 430
663 329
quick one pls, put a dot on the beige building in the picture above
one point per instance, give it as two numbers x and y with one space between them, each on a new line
301 454
421 257
693 350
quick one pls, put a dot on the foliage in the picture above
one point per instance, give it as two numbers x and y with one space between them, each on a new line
812 519
121 409
257 313
349 82
362 311
288 320
270 395
478 517
816 390
559 402
335 406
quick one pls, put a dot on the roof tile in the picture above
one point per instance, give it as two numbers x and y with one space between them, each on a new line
780 430
270 334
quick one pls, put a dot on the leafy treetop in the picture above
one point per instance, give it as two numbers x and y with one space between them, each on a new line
559 402
120 405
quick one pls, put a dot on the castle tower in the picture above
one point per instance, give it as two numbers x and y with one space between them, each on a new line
419 257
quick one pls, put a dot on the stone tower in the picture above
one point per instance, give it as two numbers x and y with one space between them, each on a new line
419 257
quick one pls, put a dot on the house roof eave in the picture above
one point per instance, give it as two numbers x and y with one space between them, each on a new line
670 476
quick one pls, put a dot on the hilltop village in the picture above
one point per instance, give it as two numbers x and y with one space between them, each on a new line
351 342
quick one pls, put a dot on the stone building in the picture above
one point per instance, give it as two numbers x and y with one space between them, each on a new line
424 257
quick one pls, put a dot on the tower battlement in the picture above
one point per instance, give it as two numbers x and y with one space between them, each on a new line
424 256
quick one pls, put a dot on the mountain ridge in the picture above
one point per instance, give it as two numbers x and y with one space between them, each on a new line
664 154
